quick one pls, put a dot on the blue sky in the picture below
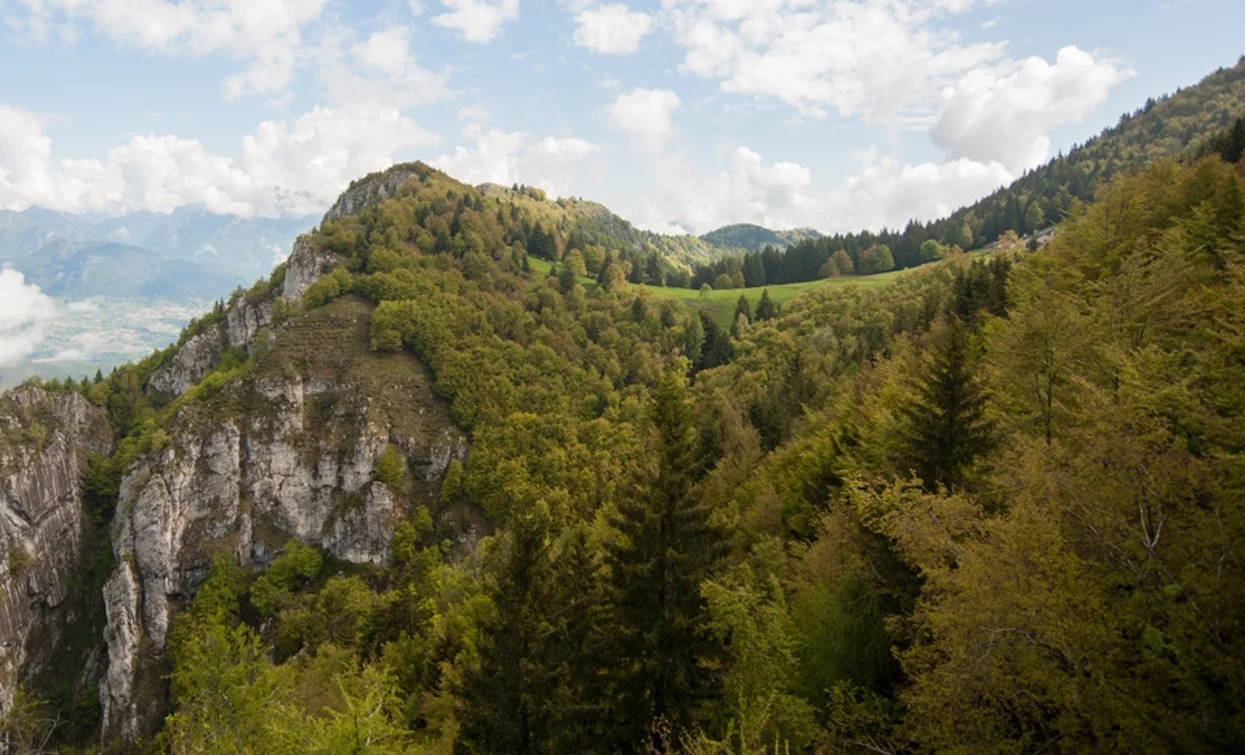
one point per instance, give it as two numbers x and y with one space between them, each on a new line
680 115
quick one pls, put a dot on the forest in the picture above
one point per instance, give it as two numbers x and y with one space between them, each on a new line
993 506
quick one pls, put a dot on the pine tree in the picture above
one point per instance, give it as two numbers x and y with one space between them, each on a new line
946 427
668 547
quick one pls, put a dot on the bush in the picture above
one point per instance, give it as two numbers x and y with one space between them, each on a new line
391 467
19 560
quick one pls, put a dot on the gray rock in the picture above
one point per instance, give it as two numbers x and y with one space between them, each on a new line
46 438
371 190
307 263
242 487
243 321
194 360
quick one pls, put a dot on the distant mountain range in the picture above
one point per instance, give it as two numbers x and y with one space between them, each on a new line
187 254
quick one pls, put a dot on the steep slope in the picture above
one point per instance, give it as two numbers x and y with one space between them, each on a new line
1169 126
46 439
285 446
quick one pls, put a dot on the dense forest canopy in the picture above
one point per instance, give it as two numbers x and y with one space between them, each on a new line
993 506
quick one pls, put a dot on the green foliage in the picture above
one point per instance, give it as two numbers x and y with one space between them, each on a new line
391 467
327 288
668 548
946 427
748 564
296 565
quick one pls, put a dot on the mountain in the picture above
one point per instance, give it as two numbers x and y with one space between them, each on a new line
754 238
232 247
411 492
1168 126
78 271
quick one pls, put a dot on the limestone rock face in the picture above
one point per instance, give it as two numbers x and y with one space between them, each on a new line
189 365
243 321
46 438
371 190
307 263
298 462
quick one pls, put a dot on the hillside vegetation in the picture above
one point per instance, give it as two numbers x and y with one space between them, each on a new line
993 504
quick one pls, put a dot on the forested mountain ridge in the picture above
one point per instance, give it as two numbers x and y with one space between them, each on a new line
411 495
754 238
1169 126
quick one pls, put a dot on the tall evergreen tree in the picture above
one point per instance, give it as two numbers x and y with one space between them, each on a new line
945 423
765 308
502 699
716 349
667 548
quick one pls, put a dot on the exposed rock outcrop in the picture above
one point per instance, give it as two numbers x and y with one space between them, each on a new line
189 365
46 438
308 261
373 189
245 319
298 462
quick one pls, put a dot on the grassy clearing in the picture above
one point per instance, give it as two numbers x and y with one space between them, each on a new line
722 303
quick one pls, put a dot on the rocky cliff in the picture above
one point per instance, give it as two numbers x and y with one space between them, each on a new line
244 318
46 439
373 189
286 450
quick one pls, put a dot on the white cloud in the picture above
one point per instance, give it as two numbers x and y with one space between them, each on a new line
1004 113
748 191
477 20
285 168
379 71
612 29
266 35
889 193
509 157
646 115
25 312
882 59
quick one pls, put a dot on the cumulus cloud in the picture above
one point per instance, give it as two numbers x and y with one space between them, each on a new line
646 114
880 59
749 190
888 193
25 312
285 168
266 35
477 20
1004 113
509 157
611 29
379 71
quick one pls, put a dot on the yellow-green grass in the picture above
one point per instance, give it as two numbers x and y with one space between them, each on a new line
722 303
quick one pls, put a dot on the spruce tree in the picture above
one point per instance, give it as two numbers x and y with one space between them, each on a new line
743 316
945 423
765 308
667 548
502 699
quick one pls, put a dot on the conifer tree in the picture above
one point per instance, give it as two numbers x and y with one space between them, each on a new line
667 549
502 699
743 307
765 308
946 427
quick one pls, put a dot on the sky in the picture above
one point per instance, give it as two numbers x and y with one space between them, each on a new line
680 115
